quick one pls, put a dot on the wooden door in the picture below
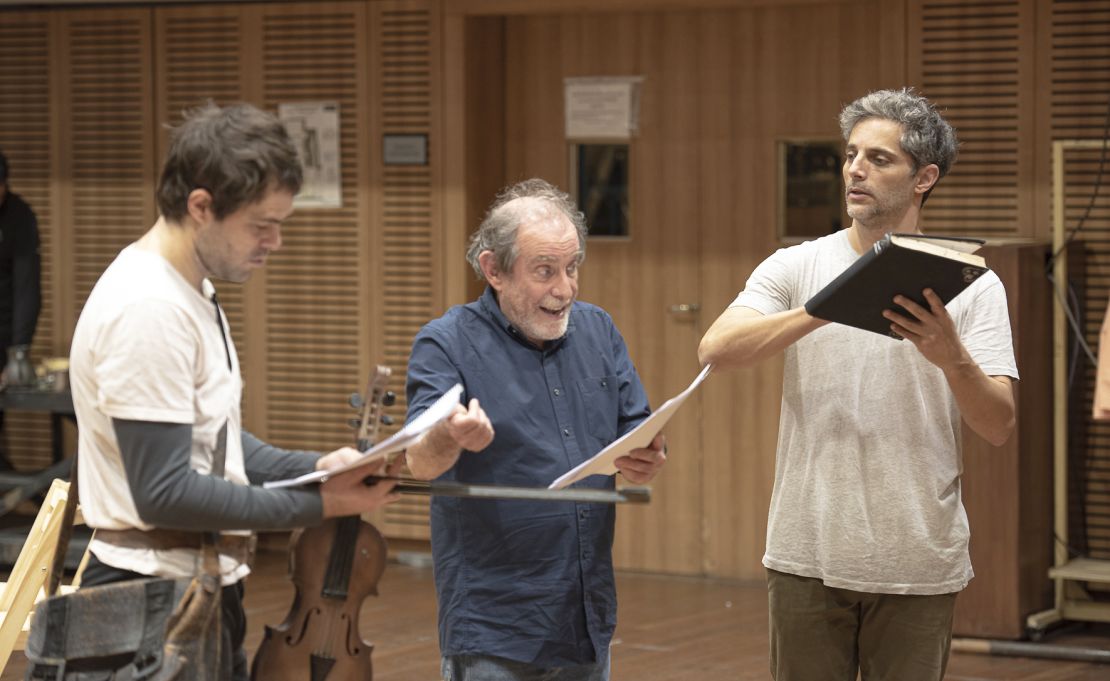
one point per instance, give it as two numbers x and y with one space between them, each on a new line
638 278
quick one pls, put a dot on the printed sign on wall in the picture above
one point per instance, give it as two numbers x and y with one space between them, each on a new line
314 127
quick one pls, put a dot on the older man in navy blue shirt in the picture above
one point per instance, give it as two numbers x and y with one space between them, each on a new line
526 589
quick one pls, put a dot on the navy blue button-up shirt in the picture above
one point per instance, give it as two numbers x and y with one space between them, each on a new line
530 581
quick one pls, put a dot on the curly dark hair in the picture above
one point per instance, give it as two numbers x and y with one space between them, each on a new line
236 153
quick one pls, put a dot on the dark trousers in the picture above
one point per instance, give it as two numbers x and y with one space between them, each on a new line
234 621
821 633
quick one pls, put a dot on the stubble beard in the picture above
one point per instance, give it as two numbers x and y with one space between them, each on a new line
881 212
216 268
532 325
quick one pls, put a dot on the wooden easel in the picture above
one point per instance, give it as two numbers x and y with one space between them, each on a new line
26 584
1070 575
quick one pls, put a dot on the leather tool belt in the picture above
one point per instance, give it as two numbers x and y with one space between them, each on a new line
237 546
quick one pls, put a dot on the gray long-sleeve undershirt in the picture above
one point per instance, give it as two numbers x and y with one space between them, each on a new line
168 493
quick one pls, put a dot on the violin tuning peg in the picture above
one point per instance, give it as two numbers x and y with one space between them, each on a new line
387 420
354 423
390 398
355 400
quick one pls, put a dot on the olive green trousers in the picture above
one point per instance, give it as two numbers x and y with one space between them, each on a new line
819 633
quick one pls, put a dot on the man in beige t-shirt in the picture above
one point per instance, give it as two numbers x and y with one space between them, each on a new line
867 539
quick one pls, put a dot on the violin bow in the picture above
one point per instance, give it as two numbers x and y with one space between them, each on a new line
372 407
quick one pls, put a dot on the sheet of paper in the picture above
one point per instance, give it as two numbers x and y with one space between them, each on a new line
640 436
399 441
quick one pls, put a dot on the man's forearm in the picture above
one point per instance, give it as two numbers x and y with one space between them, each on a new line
432 455
742 336
264 462
986 403
168 493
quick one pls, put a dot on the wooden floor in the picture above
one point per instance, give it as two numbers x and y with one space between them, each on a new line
670 628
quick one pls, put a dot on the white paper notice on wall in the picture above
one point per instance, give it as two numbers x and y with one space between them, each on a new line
314 128
602 107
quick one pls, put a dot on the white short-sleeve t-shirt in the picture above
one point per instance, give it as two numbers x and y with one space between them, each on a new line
147 347
867 473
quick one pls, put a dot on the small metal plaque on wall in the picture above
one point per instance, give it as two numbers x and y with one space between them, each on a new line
405 150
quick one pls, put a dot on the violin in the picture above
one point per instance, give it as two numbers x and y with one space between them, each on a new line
319 639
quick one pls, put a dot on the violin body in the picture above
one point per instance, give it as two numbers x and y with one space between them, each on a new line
334 567
319 639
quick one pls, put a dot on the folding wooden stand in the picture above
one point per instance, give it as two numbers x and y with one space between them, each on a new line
1072 600
25 585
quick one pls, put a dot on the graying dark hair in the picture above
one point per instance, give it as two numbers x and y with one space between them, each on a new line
498 230
926 136
237 153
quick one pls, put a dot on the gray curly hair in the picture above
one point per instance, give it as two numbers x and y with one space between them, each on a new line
926 136
498 230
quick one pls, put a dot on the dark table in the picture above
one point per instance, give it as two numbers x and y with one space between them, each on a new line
58 403
17 487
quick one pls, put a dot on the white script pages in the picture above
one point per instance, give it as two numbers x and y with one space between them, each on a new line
399 441
640 436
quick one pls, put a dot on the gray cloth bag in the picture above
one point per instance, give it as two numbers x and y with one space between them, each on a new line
159 629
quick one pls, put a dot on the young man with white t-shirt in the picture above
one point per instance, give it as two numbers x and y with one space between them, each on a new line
156 383
867 539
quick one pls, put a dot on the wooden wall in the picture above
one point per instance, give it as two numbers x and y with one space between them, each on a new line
85 94
975 59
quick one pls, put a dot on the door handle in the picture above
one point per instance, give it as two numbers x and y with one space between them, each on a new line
685 308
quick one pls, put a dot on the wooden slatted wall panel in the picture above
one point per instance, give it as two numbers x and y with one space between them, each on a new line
25 112
1080 97
405 72
197 60
317 287
976 63
108 128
